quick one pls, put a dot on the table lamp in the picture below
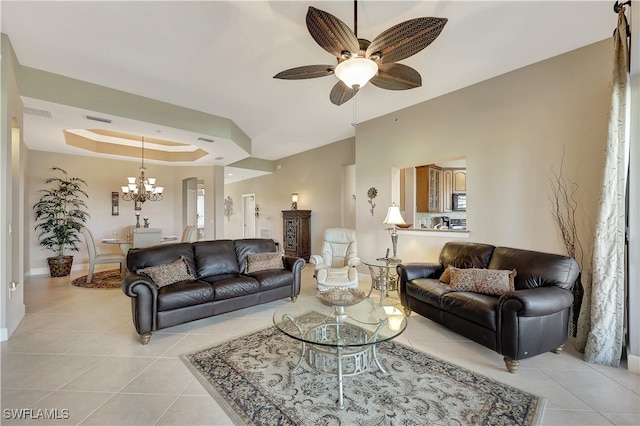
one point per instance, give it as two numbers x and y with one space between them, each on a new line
394 217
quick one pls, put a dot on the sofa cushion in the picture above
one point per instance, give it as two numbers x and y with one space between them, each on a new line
168 273
240 285
494 282
216 257
273 278
263 262
252 245
188 293
536 269
466 255
428 290
475 307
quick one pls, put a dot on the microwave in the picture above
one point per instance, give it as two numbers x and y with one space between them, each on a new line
459 202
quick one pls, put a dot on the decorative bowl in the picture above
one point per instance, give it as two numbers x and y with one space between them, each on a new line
341 296
405 226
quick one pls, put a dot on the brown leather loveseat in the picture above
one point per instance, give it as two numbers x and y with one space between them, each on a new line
527 320
172 284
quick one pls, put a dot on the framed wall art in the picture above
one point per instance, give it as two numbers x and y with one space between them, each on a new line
115 203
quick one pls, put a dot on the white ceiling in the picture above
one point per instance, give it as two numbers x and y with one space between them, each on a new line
219 57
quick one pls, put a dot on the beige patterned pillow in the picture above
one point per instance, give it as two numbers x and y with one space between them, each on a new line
169 273
494 282
264 261
445 278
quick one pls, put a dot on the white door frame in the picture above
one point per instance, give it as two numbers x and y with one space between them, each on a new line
248 215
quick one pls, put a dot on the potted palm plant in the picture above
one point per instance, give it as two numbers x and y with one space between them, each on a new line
60 213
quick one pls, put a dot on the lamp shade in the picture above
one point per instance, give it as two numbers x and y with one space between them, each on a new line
393 216
356 71
294 197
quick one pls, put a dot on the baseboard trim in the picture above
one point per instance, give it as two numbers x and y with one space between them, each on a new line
633 363
14 321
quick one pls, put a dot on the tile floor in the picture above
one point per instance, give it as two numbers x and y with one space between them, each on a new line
76 352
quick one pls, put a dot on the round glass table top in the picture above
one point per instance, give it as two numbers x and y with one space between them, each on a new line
365 323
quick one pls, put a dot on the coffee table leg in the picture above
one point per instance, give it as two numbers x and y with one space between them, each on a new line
340 391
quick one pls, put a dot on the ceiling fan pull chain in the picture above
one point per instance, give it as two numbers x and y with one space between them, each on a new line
355 17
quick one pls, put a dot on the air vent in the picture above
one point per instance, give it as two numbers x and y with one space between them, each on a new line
38 112
219 158
100 119
200 138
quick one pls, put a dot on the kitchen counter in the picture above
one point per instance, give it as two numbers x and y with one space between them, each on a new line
431 232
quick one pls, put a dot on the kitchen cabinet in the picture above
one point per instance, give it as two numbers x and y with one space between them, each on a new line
447 190
459 180
428 189
296 228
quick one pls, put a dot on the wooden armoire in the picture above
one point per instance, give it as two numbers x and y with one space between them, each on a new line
296 229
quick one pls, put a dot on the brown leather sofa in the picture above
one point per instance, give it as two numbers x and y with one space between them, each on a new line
221 283
518 324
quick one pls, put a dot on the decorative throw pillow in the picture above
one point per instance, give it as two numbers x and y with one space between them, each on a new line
264 261
494 282
169 273
445 278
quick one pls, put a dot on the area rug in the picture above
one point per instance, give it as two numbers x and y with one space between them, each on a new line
251 379
103 279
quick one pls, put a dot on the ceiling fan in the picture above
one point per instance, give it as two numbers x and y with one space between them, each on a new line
361 60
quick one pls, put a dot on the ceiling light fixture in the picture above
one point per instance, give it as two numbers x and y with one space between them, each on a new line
142 189
356 72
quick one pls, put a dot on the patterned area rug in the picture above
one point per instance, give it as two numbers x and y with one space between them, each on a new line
251 378
104 279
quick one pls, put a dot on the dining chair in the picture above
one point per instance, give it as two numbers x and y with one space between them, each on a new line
187 234
99 259
143 237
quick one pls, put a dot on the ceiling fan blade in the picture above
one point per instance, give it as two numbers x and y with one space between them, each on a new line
396 77
331 33
306 71
341 93
405 39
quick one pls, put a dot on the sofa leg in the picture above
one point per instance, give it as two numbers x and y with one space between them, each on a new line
512 365
407 312
294 298
558 349
144 338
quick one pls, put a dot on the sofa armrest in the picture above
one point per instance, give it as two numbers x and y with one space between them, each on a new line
144 295
536 302
295 265
316 259
411 271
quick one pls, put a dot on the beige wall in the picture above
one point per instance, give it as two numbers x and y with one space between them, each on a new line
512 130
318 176
104 176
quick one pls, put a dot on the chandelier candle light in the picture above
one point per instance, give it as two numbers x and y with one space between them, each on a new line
142 188
394 217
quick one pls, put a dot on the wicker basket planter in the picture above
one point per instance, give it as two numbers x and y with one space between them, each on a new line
60 266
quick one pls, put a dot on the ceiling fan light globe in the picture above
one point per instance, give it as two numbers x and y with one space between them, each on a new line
356 72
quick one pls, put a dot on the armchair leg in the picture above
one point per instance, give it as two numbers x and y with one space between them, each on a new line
512 365
558 349
144 338
407 312
294 298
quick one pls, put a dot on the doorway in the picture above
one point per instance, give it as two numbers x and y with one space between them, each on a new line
248 215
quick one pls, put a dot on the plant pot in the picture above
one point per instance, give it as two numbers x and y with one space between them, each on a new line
60 266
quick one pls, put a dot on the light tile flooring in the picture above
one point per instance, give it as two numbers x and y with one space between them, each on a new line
76 352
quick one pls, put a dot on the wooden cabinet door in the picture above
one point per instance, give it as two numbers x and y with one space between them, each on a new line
447 190
422 189
296 228
459 181
435 189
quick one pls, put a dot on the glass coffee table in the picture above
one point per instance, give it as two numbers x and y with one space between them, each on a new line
340 339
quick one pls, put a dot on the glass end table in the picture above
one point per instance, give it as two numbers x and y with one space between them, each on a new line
383 276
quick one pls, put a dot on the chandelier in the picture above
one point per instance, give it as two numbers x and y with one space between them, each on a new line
142 188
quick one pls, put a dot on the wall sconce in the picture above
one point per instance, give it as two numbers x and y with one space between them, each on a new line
257 211
294 201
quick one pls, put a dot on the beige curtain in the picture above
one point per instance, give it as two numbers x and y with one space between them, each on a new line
601 323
